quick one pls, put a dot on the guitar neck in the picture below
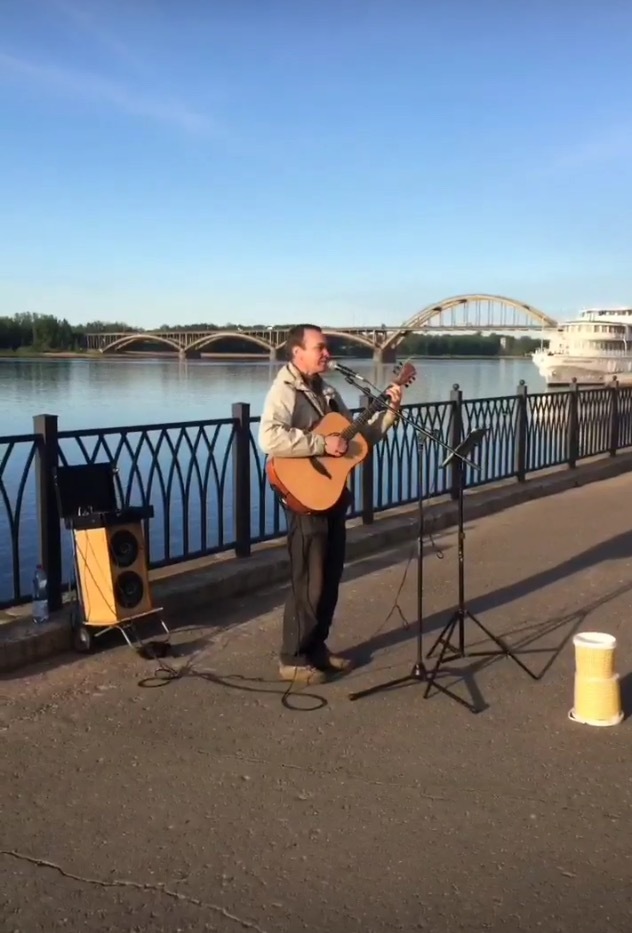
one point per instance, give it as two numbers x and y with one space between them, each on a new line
360 420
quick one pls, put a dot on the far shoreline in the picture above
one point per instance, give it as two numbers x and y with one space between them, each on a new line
92 355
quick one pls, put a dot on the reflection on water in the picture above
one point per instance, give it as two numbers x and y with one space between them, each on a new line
110 392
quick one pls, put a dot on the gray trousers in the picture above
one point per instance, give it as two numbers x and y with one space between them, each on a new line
316 545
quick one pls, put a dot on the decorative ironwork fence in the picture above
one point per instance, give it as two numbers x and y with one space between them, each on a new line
206 479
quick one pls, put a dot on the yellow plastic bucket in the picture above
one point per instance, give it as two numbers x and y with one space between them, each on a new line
594 654
597 701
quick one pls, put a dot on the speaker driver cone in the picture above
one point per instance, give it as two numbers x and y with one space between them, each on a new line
124 548
129 589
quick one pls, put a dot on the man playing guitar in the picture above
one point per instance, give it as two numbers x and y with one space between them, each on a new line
297 400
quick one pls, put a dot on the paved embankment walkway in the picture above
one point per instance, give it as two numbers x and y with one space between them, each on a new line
207 805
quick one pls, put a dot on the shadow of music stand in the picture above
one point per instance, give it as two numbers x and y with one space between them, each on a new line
87 500
461 613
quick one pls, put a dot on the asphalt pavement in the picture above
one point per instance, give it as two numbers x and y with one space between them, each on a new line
215 802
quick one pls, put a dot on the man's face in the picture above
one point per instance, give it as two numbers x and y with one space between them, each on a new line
313 356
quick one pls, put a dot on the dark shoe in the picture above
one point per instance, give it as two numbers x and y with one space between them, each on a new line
302 674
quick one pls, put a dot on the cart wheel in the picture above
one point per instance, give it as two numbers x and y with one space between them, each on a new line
82 639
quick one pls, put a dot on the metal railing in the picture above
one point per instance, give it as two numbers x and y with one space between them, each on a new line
207 484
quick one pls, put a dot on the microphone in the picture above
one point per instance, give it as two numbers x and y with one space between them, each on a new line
350 373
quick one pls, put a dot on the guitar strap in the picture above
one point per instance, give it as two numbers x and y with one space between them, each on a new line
328 402
313 392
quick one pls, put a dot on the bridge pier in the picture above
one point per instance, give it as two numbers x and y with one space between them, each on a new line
384 355
276 354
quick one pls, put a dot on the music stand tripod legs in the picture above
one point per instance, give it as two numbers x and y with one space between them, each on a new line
418 671
456 622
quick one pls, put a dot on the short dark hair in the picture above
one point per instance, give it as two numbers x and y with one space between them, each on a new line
296 337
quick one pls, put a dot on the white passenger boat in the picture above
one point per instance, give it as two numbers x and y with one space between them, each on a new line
591 349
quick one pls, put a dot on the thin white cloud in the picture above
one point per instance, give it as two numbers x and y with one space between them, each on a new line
612 146
81 85
84 19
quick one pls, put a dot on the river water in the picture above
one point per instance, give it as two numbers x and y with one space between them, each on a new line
130 391
124 392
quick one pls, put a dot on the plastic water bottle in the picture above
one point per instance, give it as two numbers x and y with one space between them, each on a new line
40 595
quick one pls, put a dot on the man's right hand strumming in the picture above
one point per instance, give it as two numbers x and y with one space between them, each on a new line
335 445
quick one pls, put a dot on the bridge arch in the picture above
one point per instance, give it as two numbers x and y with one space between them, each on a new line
438 309
220 334
139 338
354 338
344 335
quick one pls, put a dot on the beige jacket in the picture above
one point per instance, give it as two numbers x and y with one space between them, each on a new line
291 409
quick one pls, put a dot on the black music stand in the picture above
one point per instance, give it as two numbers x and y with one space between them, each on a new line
461 613
418 673
418 670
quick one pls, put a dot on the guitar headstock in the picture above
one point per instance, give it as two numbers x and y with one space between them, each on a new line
404 374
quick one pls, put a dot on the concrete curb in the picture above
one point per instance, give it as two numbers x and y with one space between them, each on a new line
183 589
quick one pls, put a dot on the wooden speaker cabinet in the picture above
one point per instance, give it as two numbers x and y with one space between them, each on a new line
111 566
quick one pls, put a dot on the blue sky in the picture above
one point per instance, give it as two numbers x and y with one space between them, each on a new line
333 160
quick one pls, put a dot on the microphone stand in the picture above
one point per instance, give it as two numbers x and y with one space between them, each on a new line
418 672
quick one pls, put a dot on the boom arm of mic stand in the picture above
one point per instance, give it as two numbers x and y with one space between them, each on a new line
386 406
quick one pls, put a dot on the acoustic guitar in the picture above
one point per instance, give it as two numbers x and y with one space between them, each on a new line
315 484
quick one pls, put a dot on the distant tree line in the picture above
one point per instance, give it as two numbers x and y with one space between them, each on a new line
450 345
467 345
43 332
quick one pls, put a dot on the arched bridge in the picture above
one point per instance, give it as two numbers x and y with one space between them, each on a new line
461 314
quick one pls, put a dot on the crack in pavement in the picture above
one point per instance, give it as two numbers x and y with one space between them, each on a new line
138 885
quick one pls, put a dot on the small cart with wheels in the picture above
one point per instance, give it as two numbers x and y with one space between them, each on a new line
109 557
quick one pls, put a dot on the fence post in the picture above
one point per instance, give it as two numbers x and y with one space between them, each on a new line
456 399
241 478
49 521
573 425
521 432
614 416
367 473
